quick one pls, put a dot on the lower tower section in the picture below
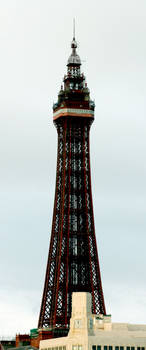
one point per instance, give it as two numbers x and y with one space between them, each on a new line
73 264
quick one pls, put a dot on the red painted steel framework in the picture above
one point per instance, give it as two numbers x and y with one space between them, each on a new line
73 264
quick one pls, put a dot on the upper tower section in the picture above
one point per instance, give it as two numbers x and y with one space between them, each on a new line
74 96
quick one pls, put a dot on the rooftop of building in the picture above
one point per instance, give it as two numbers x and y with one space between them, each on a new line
25 347
96 332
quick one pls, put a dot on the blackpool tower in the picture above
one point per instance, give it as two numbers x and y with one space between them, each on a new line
73 264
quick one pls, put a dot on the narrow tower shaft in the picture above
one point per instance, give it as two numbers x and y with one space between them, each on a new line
73 264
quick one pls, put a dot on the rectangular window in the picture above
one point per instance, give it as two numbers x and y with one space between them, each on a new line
128 348
132 348
122 348
142 348
91 323
138 348
105 347
117 348
74 347
79 347
110 347
98 347
93 347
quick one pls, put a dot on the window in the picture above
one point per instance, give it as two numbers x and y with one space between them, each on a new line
110 347
93 347
98 347
79 347
122 348
105 347
74 347
117 348
132 348
90 323
128 348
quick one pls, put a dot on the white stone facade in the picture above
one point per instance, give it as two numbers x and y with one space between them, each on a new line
92 332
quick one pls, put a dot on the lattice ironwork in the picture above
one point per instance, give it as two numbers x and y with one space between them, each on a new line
73 264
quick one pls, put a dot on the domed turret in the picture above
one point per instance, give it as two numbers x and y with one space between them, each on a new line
74 58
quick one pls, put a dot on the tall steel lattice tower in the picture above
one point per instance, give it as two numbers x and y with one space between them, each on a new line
73 264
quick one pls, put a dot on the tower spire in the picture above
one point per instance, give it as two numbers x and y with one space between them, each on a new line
74 29
74 57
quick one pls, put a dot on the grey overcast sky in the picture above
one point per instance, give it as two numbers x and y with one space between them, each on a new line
35 38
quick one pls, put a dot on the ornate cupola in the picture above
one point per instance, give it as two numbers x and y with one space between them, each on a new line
74 96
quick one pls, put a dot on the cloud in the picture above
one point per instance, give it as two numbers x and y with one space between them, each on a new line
126 304
18 311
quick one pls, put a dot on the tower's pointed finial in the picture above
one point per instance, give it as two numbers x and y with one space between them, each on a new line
74 29
74 43
74 57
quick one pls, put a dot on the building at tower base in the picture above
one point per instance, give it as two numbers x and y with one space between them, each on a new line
92 332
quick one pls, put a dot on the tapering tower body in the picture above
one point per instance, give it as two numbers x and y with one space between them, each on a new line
73 264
